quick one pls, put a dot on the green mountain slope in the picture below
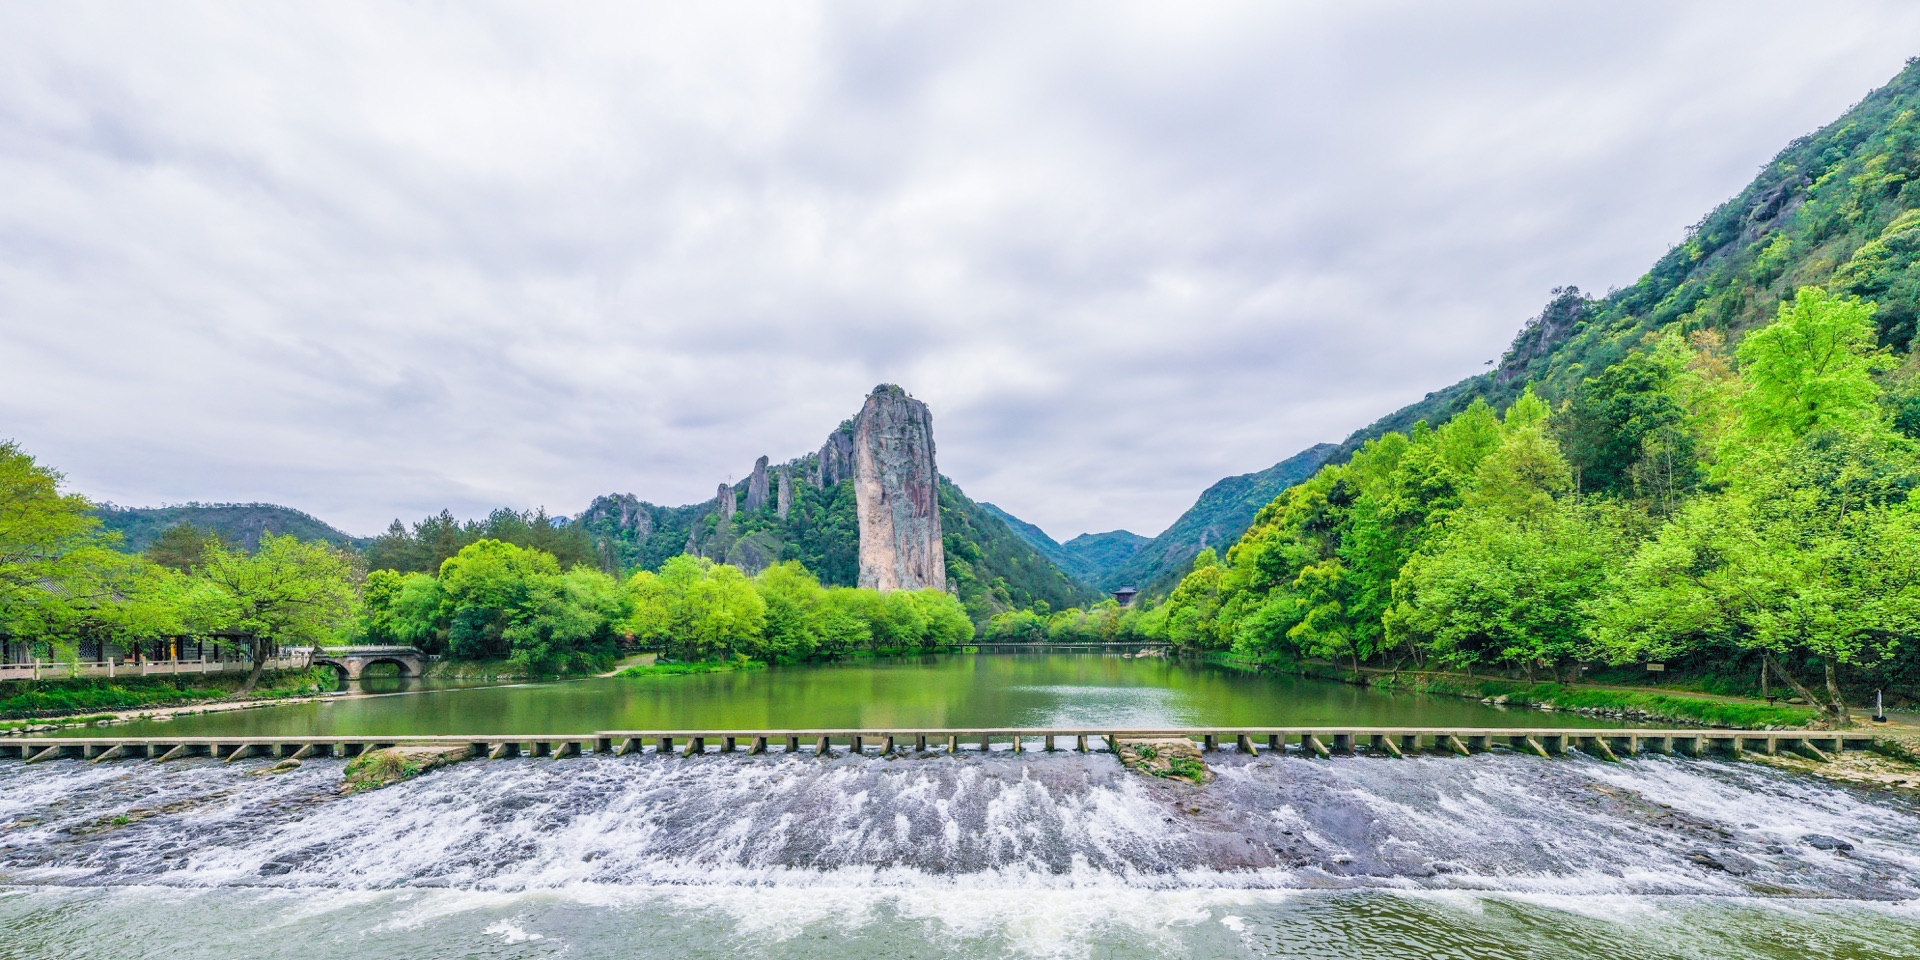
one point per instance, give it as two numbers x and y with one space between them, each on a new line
1838 208
1102 553
237 523
993 567
1216 520
1087 557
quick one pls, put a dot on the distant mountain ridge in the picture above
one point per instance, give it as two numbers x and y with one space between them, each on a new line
240 524
1837 208
1087 558
1217 519
807 509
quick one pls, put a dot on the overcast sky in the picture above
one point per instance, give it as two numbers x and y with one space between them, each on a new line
375 260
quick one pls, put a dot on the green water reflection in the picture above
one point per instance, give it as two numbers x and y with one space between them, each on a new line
988 690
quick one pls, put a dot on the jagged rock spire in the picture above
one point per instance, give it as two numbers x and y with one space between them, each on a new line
757 485
897 493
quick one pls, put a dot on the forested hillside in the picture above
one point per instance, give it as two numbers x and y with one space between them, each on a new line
1711 468
1087 558
991 566
239 524
1215 520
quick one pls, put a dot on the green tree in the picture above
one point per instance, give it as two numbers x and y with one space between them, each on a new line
287 592
183 547
1811 369
52 551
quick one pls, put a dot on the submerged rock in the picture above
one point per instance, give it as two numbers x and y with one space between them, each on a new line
1173 759
1820 841
380 768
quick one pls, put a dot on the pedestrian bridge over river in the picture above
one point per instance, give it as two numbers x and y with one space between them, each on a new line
1324 742
352 662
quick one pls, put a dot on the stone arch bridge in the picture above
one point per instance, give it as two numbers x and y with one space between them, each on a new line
353 661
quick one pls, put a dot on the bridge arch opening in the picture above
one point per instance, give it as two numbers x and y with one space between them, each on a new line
385 667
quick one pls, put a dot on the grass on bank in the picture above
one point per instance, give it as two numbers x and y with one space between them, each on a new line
1652 704
1678 707
685 669
29 699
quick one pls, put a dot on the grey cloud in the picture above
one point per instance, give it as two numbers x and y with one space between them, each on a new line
372 261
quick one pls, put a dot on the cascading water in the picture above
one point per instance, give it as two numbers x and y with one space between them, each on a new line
959 856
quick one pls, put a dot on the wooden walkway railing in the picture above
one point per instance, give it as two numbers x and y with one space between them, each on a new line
1307 741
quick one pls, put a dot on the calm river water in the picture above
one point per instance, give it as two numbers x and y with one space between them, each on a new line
1043 855
992 690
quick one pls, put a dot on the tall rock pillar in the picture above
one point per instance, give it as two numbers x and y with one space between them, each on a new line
897 494
757 486
785 504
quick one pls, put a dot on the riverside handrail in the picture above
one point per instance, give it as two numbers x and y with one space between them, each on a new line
1310 741
123 667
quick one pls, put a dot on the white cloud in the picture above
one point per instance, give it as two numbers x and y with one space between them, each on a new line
372 260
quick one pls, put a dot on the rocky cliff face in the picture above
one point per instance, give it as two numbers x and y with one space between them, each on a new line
835 462
897 487
757 485
623 512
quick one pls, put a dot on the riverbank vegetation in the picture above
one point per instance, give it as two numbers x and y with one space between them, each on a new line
1692 505
64 584
65 587
496 600
63 697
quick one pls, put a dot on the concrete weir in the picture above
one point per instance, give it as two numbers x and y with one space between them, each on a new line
1323 742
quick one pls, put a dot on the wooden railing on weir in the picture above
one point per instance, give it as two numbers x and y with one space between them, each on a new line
1607 744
